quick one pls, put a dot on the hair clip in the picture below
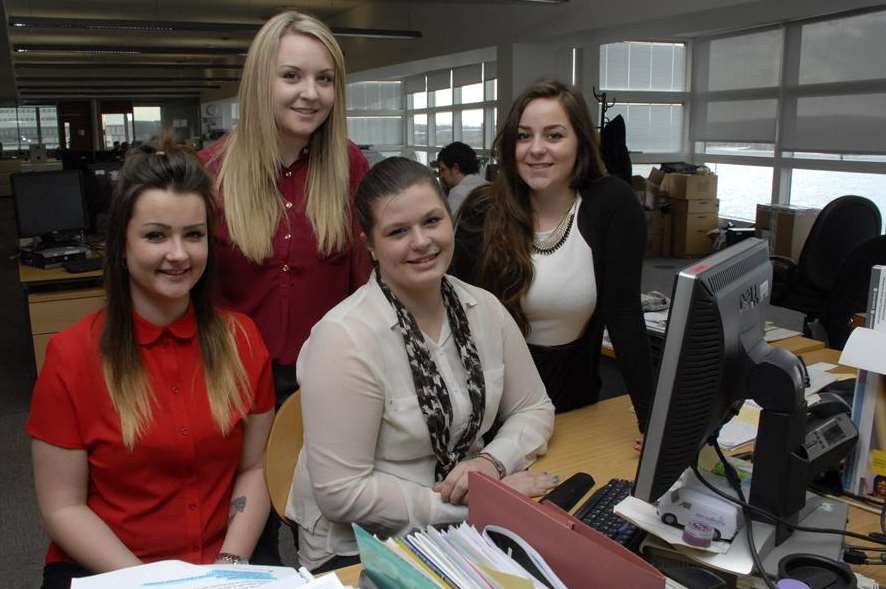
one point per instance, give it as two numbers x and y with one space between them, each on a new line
159 152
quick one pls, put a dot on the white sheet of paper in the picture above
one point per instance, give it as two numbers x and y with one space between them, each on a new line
779 333
175 574
864 350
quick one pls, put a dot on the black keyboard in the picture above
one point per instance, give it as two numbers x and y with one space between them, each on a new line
83 265
597 513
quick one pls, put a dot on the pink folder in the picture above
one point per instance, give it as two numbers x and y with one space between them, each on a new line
581 556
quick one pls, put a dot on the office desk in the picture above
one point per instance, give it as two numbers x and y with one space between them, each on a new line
796 344
56 299
598 439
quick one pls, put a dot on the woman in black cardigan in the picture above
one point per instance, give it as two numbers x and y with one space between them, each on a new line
561 244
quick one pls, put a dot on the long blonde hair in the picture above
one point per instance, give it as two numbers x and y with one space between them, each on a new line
176 169
251 164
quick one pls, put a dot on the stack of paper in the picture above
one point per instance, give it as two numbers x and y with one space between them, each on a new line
457 558
169 574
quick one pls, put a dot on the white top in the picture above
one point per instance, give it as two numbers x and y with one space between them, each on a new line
563 293
459 192
367 454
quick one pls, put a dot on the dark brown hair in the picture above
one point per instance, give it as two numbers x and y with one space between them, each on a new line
386 178
174 168
505 266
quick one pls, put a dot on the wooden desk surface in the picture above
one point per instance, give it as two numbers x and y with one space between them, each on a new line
598 439
30 274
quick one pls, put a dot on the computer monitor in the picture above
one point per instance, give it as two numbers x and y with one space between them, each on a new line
714 358
49 205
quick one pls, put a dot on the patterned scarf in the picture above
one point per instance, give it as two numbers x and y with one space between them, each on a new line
433 396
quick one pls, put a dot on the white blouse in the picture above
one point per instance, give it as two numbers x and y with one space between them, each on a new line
563 294
367 454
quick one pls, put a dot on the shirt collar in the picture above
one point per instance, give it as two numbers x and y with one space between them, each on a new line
183 328
390 316
301 159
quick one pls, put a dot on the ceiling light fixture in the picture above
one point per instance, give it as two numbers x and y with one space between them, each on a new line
96 24
116 50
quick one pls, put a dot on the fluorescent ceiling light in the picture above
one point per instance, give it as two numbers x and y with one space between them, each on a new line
147 26
117 50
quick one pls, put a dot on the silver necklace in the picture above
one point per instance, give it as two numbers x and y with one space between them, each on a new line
555 239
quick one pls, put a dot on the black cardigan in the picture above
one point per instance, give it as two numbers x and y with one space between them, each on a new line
611 221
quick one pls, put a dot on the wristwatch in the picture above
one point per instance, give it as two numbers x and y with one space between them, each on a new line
228 558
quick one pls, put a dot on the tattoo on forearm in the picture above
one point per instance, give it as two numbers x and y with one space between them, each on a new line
238 505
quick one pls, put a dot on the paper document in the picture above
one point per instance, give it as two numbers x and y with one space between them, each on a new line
182 575
742 428
656 321
779 333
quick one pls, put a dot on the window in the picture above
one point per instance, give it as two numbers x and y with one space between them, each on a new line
843 50
419 129
456 104
741 187
381 130
22 126
48 126
115 129
442 128
375 114
147 122
472 127
650 83
654 67
816 188
804 102
658 127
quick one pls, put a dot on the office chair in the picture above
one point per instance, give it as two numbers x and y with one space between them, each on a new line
850 293
281 455
844 224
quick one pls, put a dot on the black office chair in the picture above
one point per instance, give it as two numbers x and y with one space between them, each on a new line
844 224
850 292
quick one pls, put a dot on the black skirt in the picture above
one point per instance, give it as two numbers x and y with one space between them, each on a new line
570 377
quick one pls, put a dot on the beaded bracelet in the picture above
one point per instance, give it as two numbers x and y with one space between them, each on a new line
228 558
499 467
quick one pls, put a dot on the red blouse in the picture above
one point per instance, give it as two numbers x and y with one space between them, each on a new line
290 291
170 496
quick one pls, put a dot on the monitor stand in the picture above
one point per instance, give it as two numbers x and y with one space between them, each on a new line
819 512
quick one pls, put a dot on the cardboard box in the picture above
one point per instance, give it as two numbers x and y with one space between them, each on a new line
690 186
654 233
785 227
691 234
649 194
681 207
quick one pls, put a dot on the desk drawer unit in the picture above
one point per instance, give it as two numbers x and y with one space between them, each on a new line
54 311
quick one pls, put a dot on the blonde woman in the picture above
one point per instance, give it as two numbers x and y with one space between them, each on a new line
286 175
149 418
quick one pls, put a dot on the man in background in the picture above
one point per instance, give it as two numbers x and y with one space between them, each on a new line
459 172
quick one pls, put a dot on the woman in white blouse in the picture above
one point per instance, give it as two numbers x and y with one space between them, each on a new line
401 381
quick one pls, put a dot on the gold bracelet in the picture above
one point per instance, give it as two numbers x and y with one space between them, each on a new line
499 467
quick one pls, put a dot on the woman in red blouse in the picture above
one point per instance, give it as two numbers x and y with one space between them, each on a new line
149 418
286 176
